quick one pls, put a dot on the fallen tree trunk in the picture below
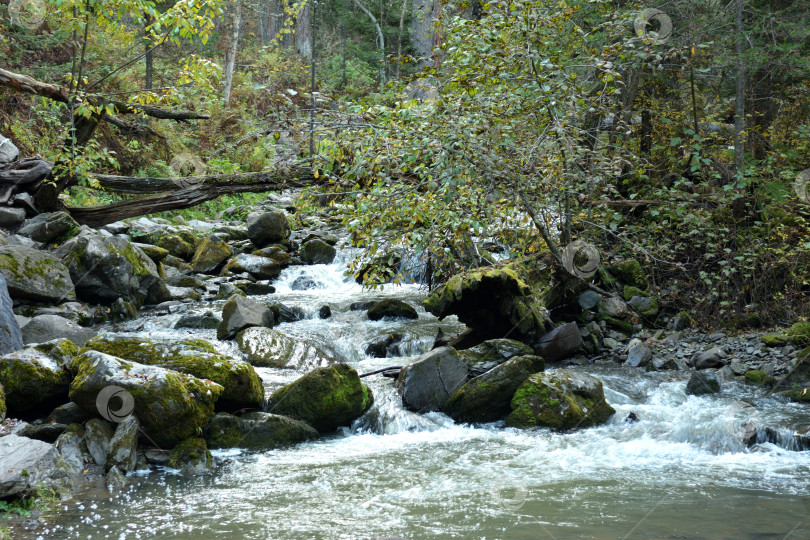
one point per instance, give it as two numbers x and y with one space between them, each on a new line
186 196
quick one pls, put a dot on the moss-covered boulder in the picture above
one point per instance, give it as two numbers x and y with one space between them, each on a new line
256 431
494 352
62 350
326 398
391 308
275 252
494 302
796 384
629 272
266 347
3 409
104 269
757 377
427 383
240 313
33 381
799 333
242 387
563 399
268 228
191 457
257 267
35 276
175 244
47 228
156 253
170 405
316 251
211 254
487 398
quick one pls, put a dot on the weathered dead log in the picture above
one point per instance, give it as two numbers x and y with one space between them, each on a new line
189 195
24 175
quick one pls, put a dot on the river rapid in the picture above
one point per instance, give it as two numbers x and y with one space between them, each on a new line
681 471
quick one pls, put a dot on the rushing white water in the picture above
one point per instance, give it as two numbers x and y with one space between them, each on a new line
681 471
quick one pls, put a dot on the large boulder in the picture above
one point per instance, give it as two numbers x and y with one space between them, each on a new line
487 398
265 347
44 328
560 343
493 352
256 266
427 383
104 269
268 228
391 308
256 431
701 383
27 465
47 228
211 254
239 313
171 406
326 398
10 335
242 387
175 244
317 251
563 399
494 302
35 276
33 381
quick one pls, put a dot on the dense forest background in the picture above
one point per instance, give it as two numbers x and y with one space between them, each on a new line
675 133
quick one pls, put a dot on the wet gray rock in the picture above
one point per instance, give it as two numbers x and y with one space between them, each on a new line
317 251
494 352
205 320
427 383
11 217
49 327
256 431
240 313
10 335
384 346
713 358
27 465
266 347
32 380
257 267
97 436
72 449
36 276
559 344
663 364
702 383
638 356
391 308
123 446
69 413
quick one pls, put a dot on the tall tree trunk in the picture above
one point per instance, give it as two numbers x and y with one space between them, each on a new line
739 104
303 31
380 40
148 56
400 34
230 62
423 29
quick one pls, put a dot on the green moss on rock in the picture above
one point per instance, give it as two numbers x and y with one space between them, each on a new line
191 457
326 398
3 409
32 379
758 378
629 272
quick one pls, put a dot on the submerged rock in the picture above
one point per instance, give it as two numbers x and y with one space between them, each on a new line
240 313
325 398
28 465
391 309
487 398
35 276
563 399
171 406
256 431
427 383
242 387
191 457
266 347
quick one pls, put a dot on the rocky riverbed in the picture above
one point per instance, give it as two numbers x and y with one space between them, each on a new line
149 348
